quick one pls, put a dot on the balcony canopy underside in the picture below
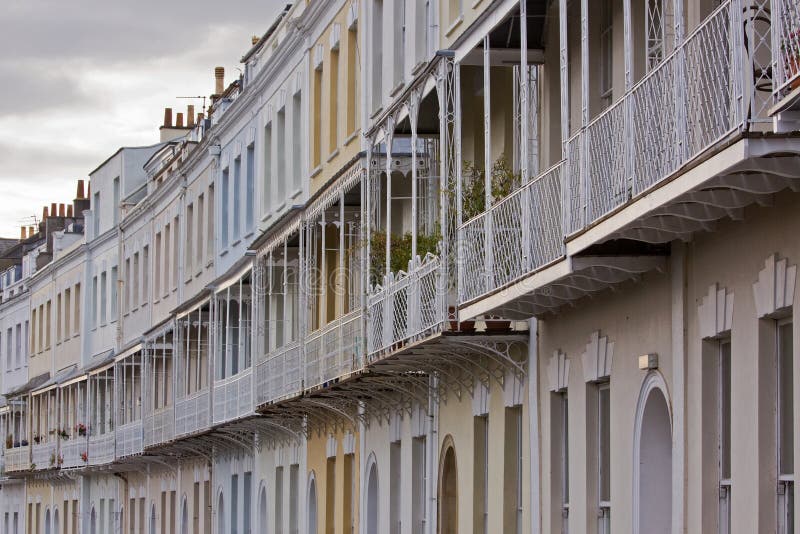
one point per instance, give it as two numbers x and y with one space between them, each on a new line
748 171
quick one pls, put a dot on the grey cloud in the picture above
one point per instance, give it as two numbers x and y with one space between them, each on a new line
35 90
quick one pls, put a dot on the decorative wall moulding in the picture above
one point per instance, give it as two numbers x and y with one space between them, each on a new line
774 289
598 358
558 371
716 312
319 53
330 446
335 36
352 16
480 399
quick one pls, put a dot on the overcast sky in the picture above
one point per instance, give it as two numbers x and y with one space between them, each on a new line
81 78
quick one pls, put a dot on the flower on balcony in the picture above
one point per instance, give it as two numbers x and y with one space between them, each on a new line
63 434
52 459
33 466
37 439
9 441
85 456
60 459
80 428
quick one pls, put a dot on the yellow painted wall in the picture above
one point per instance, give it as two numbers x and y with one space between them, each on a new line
318 463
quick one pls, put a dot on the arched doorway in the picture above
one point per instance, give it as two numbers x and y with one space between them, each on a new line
372 499
448 489
262 509
653 459
47 525
93 521
184 517
220 515
56 522
312 505
153 518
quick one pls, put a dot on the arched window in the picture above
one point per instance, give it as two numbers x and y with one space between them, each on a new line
262 509
56 522
47 525
153 518
93 521
184 517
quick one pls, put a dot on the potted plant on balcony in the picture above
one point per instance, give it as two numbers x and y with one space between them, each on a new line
60 459
466 327
33 466
37 439
473 192
495 324
63 434
24 443
9 441
399 253
81 429
52 459
85 456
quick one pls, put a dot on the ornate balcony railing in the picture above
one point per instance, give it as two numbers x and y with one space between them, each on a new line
129 439
280 374
159 427
101 449
517 236
192 413
233 396
44 455
407 306
334 351
18 459
786 44
686 105
71 451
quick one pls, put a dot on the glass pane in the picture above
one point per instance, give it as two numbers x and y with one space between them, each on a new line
785 400
565 448
604 436
725 409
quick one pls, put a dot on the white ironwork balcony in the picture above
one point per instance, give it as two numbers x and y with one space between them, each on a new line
192 413
689 103
159 427
44 455
129 439
233 396
18 459
701 96
279 375
407 306
517 236
786 45
101 449
334 351
72 450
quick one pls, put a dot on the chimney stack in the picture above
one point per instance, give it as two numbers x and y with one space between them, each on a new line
179 121
219 78
23 233
79 195
190 116
167 117
62 210
31 231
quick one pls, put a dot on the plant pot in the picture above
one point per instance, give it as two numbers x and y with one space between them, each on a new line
466 327
496 325
792 68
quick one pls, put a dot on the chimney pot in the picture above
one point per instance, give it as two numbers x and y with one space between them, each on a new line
255 39
80 190
179 120
32 231
219 78
23 232
190 115
53 210
200 117
44 213
62 210
167 117
69 210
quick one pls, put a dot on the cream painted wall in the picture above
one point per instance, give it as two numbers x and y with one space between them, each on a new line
317 458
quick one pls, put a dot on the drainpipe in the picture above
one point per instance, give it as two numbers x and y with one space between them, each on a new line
533 428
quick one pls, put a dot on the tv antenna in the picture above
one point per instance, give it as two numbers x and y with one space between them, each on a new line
195 98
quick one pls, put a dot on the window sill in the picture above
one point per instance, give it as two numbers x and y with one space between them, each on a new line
295 194
188 280
316 171
332 155
235 243
476 3
198 274
210 264
248 235
376 112
350 138
419 67
456 23
397 88
223 253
